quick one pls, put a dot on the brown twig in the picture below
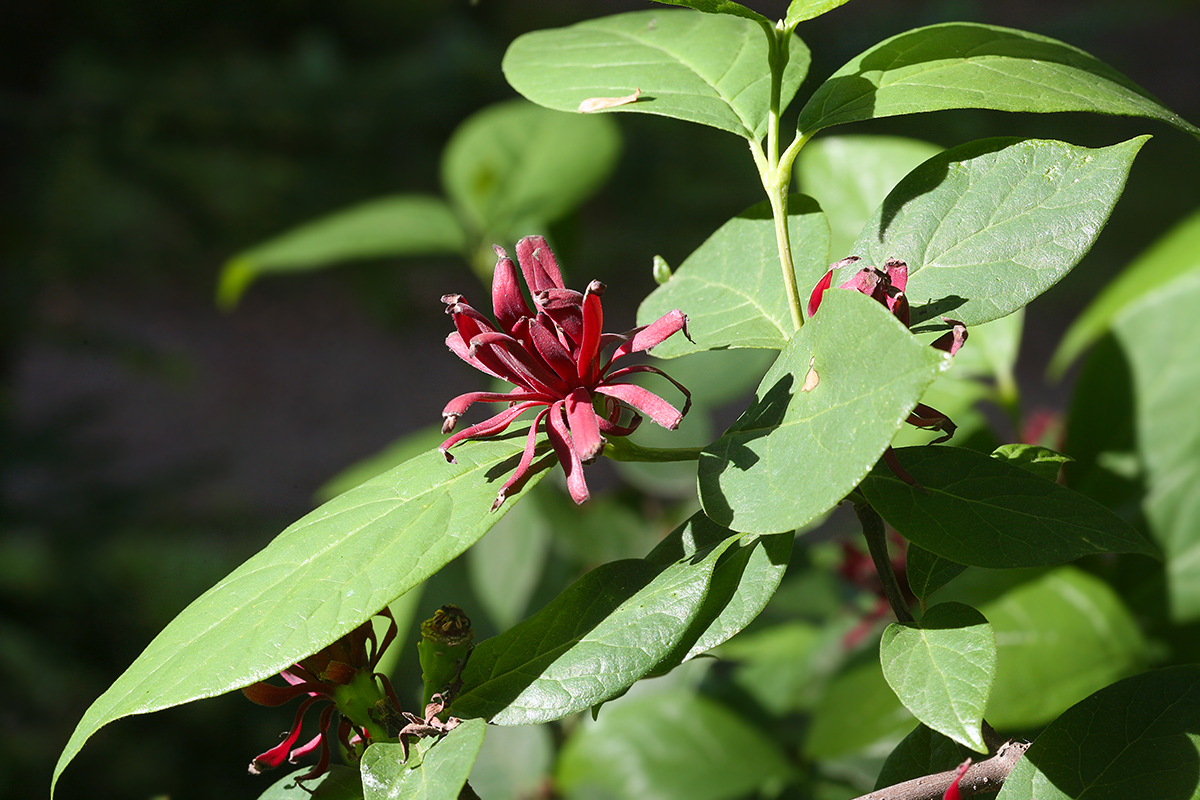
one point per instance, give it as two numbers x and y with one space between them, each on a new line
873 531
986 776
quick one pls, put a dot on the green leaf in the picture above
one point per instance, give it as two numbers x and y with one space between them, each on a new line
1174 254
603 633
778 666
403 225
1136 738
1041 461
978 510
967 65
801 10
441 773
923 752
857 714
505 567
1060 636
988 226
703 68
513 166
1160 337
791 456
671 745
851 175
731 287
514 762
339 783
927 572
719 7
318 580
943 670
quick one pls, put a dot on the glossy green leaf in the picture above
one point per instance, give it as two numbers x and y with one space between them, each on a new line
1174 254
858 714
1041 461
793 454
702 68
850 176
923 752
319 579
404 225
968 65
514 167
1160 337
1060 636
978 510
339 783
801 10
598 637
943 670
990 225
1136 738
719 7
927 572
671 745
441 773
505 567
731 287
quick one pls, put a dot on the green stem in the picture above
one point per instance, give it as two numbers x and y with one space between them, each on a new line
873 531
621 449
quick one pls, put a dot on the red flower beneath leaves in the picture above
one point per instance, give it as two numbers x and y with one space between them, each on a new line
553 356
342 676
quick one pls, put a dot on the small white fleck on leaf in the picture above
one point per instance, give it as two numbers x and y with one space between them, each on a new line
598 103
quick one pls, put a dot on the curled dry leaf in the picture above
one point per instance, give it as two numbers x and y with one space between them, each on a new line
599 103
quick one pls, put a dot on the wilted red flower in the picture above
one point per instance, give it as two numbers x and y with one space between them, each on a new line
553 354
342 677
887 285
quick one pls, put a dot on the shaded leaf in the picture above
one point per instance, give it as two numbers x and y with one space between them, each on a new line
701 751
943 670
702 68
719 7
978 510
1177 252
1137 738
514 762
403 225
857 714
440 774
731 287
318 580
927 572
968 65
923 752
792 455
990 225
339 783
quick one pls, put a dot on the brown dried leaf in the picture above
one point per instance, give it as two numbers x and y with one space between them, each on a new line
598 103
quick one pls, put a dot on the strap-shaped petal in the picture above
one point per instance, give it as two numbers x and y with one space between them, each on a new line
517 479
584 425
507 301
647 336
614 379
538 264
564 448
588 364
489 427
646 402
547 345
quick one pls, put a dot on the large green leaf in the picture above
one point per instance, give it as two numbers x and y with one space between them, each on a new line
319 579
801 10
1060 636
943 670
703 68
967 65
441 773
923 752
719 7
603 633
990 225
1174 254
793 453
851 175
857 714
926 572
514 167
404 225
731 287
339 783
1160 338
974 509
671 745
1136 738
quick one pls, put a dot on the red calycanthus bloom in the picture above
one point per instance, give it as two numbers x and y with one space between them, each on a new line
887 286
341 677
553 355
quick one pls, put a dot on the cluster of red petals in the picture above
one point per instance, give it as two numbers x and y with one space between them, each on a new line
316 679
887 286
553 354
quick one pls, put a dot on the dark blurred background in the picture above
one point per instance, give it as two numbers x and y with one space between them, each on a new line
149 442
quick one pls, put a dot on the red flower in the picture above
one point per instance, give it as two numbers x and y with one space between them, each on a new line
553 354
887 285
342 677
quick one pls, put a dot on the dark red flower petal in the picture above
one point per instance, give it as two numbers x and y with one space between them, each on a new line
538 264
568 456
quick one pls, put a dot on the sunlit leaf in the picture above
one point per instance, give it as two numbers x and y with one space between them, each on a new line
731 287
705 68
990 225
1041 461
441 773
800 10
719 7
968 65
792 454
